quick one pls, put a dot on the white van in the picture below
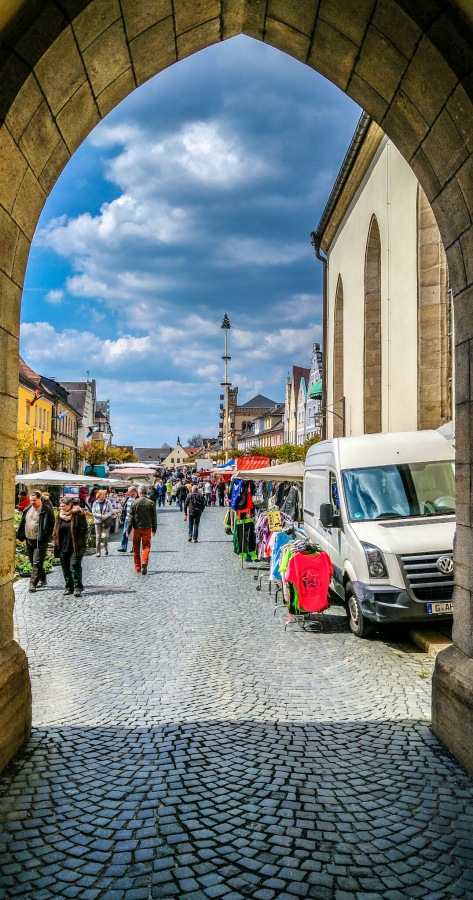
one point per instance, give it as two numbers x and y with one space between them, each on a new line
383 507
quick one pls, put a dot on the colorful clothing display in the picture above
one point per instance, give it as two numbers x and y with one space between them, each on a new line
306 579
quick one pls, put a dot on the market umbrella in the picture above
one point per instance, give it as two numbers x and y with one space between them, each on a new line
49 476
293 471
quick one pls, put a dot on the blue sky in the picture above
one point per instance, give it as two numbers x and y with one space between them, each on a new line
195 197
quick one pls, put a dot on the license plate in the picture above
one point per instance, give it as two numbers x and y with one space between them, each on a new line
439 608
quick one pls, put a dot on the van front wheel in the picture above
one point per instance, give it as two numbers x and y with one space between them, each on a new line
359 624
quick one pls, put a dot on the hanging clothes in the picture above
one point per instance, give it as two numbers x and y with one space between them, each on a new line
277 542
306 577
244 538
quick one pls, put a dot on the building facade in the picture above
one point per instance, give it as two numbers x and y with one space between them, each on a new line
387 308
35 417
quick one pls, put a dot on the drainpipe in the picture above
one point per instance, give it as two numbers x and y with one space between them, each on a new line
316 242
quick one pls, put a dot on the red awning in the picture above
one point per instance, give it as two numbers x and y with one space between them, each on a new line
252 462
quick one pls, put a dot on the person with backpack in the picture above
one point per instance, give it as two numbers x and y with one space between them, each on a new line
194 506
181 494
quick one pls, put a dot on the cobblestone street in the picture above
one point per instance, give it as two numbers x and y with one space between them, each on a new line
184 745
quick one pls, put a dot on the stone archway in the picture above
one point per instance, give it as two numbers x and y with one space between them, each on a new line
65 64
372 367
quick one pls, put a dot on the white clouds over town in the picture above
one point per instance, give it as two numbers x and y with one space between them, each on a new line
196 196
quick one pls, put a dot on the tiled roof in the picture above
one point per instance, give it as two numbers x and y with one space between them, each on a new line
258 402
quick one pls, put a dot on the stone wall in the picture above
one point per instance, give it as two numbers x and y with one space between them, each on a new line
372 350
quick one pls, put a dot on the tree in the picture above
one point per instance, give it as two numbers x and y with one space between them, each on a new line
51 457
195 441
166 447
25 445
120 455
93 452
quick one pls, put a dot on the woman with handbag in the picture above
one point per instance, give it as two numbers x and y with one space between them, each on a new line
103 520
70 543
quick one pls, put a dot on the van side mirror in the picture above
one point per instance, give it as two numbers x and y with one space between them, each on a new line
326 514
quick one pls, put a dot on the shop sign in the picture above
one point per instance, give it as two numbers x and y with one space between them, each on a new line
274 520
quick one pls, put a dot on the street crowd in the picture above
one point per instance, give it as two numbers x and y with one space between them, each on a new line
67 529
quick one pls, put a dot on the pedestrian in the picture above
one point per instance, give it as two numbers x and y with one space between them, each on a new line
181 494
143 520
208 491
169 491
193 507
220 489
161 491
213 496
47 499
35 528
131 495
23 501
102 513
70 544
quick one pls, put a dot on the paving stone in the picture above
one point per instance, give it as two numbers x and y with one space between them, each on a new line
183 744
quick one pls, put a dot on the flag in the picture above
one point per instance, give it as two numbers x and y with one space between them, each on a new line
37 394
60 416
91 430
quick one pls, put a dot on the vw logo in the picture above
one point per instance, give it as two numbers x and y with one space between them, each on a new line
445 565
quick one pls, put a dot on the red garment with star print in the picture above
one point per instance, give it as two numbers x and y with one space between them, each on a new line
310 574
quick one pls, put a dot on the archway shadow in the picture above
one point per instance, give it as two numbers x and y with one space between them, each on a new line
331 806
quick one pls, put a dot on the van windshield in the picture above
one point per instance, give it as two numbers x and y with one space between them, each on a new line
402 491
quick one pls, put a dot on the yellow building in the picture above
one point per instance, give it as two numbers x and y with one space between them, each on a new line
34 421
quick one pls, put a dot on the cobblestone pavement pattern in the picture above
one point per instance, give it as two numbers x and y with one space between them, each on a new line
184 745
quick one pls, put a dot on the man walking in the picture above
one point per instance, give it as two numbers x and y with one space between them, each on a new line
193 507
36 528
143 520
181 494
132 494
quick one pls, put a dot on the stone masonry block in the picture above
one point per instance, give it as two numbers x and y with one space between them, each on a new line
7 483
384 79
10 300
107 58
451 213
404 124
460 109
94 20
198 38
7 551
116 92
139 17
444 147
423 170
352 21
366 97
77 119
463 314
8 372
61 71
463 373
54 166
466 242
29 203
463 492
297 14
24 106
153 50
21 258
232 18
465 180
287 39
40 138
332 54
463 616
253 18
193 15
45 28
9 232
397 26
13 166
463 445
428 80
15 689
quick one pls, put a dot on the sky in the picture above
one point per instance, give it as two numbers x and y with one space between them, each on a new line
196 196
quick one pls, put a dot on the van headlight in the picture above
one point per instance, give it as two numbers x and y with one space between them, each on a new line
377 567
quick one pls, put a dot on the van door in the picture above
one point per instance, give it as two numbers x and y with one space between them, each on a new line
335 536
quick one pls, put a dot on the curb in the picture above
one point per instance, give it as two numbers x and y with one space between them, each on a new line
430 641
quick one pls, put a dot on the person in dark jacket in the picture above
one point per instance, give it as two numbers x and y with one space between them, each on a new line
181 494
142 520
70 544
220 489
35 528
193 507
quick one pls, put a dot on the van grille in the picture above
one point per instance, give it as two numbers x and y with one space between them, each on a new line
424 578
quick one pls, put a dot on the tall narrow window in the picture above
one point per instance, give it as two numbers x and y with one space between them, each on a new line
338 379
372 354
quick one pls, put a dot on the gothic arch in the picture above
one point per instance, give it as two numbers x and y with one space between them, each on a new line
66 63
338 368
372 356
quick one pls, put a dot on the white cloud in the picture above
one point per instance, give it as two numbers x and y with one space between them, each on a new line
258 252
43 343
55 297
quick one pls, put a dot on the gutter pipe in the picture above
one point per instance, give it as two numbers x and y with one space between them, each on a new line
316 241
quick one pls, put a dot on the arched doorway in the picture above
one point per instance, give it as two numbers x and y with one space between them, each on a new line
66 64
372 349
338 368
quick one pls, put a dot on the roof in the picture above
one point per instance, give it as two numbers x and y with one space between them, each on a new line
28 374
297 373
191 451
258 402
